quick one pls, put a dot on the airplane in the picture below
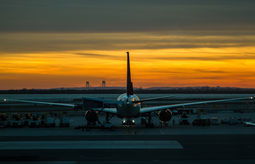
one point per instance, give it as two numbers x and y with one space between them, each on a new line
249 123
127 106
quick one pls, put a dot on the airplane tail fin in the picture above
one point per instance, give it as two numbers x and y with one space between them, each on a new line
130 90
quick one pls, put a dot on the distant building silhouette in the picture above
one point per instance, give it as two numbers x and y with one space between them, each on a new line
103 84
87 84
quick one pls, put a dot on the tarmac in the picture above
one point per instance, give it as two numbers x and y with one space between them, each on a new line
221 143
180 144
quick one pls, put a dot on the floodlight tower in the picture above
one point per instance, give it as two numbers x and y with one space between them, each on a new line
87 84
103 84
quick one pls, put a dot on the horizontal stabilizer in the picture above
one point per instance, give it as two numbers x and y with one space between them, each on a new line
93 103
105 101
154 98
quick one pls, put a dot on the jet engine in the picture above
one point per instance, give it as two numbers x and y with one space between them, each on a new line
165 115
91 116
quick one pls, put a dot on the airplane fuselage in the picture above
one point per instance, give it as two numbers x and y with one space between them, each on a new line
128 107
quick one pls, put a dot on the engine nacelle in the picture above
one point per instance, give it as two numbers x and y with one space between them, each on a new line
165 115
91 116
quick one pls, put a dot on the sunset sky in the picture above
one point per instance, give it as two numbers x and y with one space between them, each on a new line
172 43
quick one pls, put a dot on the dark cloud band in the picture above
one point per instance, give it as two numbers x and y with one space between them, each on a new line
45 42
125 16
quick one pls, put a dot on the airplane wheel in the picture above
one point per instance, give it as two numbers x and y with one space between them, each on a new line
151 125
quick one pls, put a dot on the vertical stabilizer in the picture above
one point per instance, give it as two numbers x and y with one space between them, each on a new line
129 83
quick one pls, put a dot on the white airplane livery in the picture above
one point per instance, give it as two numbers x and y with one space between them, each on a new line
127 106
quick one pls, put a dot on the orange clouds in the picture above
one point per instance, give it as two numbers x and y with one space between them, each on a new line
76 60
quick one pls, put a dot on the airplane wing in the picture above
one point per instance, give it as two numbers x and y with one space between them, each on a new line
158 108
39 102
99 105
249 123
109 110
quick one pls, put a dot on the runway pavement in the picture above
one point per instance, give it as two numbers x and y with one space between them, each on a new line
220 148
90 145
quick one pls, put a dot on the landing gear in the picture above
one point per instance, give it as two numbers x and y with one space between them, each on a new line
163 124
107 123
148 122
92 119
128 123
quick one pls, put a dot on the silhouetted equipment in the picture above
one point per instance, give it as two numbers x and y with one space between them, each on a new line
103 84
201 122
87 84
184 119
